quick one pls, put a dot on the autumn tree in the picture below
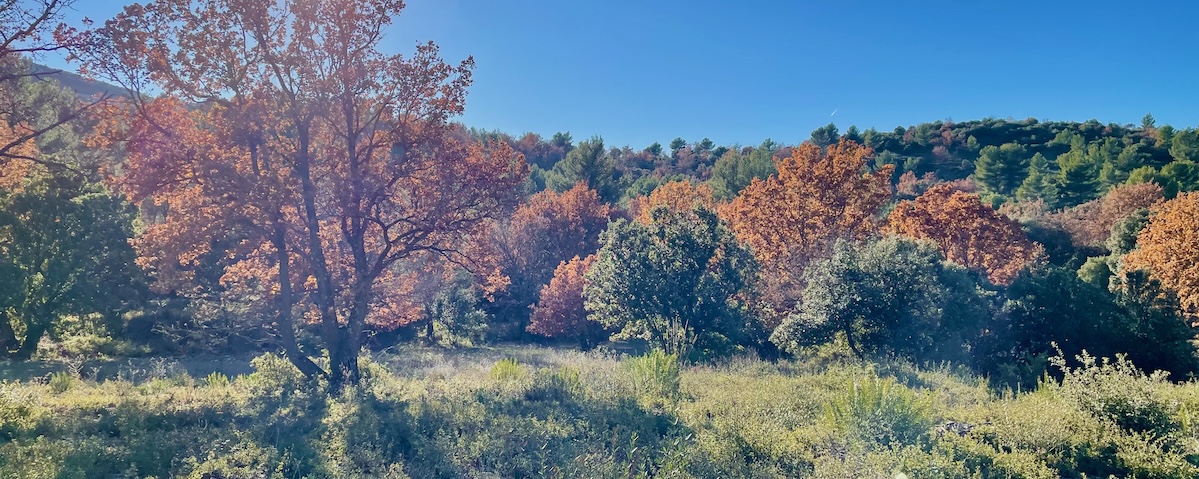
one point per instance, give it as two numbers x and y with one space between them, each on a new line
968 232
1168 249
560 312
359 165
1090 224
796 216
679 196
544 232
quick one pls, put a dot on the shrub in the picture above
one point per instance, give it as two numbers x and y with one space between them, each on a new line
880 412
1117 391
507 369
60 382
655 375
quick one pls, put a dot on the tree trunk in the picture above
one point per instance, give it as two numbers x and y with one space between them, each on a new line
32 337
287 328
8 337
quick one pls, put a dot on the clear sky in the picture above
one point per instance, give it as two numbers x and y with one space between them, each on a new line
640 71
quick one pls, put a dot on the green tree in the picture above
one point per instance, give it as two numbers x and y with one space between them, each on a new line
895 296
1185 145
1115 172
64 250
826 135
1002 169
588 163
1038 184
675 282
734 171
1077 181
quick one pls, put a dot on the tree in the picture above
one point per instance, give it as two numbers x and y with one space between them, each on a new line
1002 169
589 164
826 136
1038 184
968 232
549 229
678 196
1168 248
796 216
676 282
735 170
1054 306
892 297
361 159
560 311
1184 145
1077 180
1090 224
64 250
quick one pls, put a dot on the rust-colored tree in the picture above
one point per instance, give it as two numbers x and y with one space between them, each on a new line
1090 223
796 216
968 232
544 232
559 313
1168 247
370 169
678 196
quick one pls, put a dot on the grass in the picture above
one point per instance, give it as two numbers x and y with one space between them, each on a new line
539 412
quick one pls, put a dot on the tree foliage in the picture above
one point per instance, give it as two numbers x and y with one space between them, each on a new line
351 148
677 282
64 249
795 217
560 311
892 297
1168 247
968 232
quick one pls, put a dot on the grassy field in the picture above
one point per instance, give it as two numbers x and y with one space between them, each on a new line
538 412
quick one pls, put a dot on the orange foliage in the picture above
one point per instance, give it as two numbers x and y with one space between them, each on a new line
676 196
13 165
1168 248
547 230
797 216
967 232
1090 223
560 312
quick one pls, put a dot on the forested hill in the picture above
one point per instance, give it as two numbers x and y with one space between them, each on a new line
84 87
1062 163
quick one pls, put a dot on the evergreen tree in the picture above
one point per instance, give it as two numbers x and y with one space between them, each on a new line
589 163
1077 181
1038 184
1001 169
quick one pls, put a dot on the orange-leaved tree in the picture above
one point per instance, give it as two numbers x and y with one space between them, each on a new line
679 196
544 232
967 231
370 170
797 215
1090 224
559 311
1168 247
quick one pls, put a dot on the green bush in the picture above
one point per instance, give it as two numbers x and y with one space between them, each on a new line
655 375
508 369
61 381
880 412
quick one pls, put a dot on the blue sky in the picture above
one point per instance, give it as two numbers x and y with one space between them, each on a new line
640 71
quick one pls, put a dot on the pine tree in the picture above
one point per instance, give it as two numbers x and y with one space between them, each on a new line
1077 181
1038 185
1001 169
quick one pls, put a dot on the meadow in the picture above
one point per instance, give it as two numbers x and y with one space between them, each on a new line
526 411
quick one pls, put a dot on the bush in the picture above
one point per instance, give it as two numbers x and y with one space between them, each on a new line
508 369
655 375
880 412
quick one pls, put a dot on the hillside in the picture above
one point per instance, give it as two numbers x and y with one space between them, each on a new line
82 86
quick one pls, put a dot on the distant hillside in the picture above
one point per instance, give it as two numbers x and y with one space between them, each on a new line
82 86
